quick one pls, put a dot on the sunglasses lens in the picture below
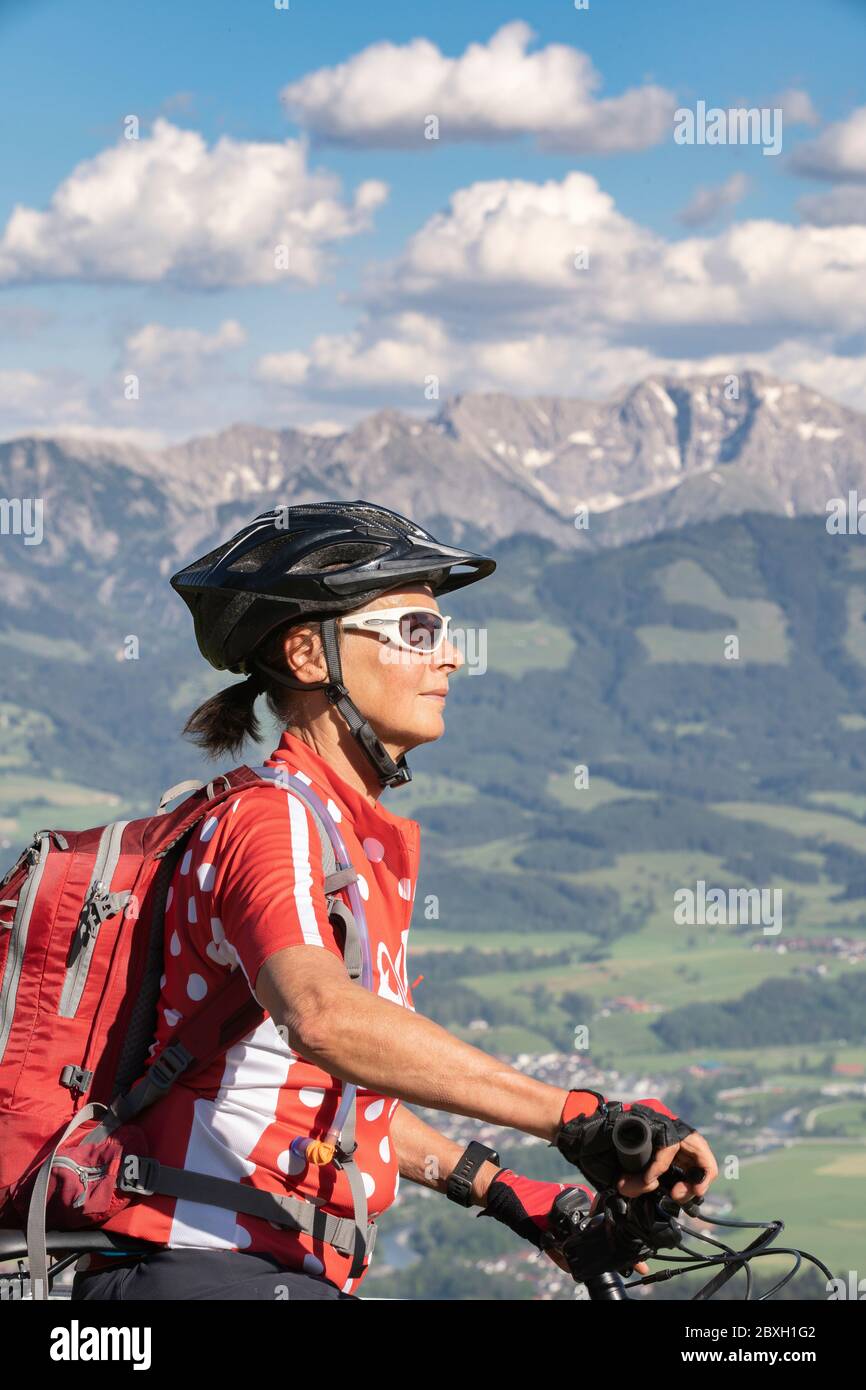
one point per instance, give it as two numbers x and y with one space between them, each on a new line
421 630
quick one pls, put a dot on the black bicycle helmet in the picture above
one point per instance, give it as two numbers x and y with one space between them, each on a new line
312 563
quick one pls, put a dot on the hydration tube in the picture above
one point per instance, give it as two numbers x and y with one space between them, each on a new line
304 1147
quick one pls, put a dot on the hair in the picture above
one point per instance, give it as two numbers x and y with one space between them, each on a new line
224 722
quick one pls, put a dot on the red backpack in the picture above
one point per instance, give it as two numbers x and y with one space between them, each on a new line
81 956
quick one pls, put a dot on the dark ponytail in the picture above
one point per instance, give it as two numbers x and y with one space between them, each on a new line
223 723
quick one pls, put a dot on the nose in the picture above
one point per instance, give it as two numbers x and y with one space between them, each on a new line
449 655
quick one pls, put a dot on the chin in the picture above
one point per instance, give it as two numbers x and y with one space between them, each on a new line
423 731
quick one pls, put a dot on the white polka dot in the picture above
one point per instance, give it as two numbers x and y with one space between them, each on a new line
236 804
313 1265
397 1183
311 1096
209 827
162 983
374 1110
242 1237
205 874
190 910
152 1049
220 950
174 944
374 849
369 1184
334 810
404 888
347 1287
392 1108
302 777
172 1017
384 1149
291 1163
196 987
363 887
185 862
168 899
222 955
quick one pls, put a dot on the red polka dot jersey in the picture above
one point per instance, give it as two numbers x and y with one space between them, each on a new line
251 883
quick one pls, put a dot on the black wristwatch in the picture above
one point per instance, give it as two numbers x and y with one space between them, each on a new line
459 1186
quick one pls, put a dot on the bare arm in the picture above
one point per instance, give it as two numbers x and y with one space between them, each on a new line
353 1034
427 1157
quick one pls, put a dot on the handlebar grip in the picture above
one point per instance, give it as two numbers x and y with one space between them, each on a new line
632 1142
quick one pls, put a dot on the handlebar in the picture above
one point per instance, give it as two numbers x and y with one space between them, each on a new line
622 1232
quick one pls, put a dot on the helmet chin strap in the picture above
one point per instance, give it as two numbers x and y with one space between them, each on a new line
390 773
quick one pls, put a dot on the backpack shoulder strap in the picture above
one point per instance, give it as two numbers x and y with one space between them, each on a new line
230 1013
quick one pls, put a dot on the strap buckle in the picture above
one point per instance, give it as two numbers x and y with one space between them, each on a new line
139 1175
341 1154
168 1066
76 1078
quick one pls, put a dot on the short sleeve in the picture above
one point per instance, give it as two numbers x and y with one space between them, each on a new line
269 887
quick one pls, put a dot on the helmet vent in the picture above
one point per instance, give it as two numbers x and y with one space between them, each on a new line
338 557
257 557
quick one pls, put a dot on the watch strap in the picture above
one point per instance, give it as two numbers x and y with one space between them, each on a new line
459 1185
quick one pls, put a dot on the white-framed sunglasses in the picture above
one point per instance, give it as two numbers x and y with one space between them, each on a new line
411 629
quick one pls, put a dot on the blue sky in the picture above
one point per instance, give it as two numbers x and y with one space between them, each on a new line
376 314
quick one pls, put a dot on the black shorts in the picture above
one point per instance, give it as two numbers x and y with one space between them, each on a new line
192 1274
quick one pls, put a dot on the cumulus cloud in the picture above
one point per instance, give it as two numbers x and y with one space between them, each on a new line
39 398
840 206
384 95
838 153
708 202
60 402
397 351
178 356
548 287
167 208
392 362
511 253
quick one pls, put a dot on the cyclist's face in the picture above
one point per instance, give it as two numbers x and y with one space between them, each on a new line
394 688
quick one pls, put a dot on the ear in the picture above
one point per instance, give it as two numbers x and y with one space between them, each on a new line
304 654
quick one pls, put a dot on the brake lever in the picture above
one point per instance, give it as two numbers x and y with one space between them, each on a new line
669 1180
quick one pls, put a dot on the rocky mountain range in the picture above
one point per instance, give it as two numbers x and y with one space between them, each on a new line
662 455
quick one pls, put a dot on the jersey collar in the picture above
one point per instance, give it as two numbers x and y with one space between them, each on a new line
300 757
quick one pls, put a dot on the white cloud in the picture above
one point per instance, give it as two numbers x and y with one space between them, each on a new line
840 206
839 152
177 356
325 428
398 352
167 208
503 254
707 202
38 398
796 106
495 91
91 434
486 296
395 368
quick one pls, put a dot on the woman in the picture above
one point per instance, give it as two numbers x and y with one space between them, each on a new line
336 603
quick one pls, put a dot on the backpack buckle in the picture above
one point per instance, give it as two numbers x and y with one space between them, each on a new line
341 1153
76 1078
168 1066
139 1175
